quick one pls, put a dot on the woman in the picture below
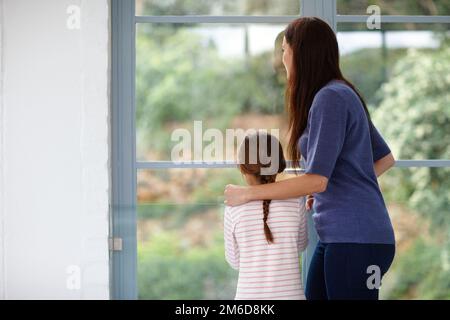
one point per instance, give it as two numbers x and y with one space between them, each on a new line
330 128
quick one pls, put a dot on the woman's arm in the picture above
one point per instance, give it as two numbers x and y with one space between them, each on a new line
384 164
302 185
299 186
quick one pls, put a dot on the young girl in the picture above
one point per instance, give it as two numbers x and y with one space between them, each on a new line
263 239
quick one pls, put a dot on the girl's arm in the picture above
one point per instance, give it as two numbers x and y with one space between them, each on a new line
231 247
299 186
303 234
384 164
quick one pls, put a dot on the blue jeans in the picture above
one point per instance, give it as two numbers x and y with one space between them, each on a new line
341 271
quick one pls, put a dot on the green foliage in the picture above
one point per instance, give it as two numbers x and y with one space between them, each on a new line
169 268
177 7
368 69
180 78
397 7
163 210
422 270
206 194
218 7
212 188
415 118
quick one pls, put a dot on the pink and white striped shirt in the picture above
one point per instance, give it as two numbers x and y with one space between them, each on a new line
266 271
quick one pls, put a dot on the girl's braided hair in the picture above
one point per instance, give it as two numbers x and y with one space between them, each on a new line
266 164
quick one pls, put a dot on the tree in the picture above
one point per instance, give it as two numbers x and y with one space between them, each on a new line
180 78
395 7
414 117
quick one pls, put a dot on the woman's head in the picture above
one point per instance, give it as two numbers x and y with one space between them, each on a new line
260 160
311 59
309 44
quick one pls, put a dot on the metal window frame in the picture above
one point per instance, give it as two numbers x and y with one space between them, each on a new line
155 165
123 282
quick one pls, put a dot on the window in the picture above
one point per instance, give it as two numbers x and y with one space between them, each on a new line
190 71
402 71
178 62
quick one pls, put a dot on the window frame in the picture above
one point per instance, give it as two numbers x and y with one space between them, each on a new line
124 165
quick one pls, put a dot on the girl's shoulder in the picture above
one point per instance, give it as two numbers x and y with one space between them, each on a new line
236 210
287 204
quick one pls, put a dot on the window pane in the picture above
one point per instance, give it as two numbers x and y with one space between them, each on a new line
403 76
227 76
217 7
418 201
180 234
397 7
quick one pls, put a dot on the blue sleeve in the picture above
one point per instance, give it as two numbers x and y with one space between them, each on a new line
380 149
327 129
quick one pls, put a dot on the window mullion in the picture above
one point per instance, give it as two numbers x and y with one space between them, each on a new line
324 9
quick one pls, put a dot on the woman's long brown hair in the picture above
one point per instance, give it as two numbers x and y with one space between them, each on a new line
315 63
261 143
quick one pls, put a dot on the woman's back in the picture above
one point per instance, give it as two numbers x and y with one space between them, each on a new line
266 270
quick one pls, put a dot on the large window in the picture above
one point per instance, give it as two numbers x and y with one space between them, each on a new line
221 73
402 70
218 63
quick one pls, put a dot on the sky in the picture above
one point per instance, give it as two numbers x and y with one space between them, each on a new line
230 39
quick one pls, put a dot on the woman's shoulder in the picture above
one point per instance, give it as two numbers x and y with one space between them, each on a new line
333 98
332 91
337 91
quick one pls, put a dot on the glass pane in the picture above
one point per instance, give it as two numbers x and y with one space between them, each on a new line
227 76
217 7
180 234
403 76
397 7
418 201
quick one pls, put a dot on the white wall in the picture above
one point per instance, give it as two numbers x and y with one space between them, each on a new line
54 150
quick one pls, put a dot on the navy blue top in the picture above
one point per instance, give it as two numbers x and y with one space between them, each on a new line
337 144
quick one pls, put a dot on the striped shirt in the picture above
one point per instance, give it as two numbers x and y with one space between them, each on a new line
266 271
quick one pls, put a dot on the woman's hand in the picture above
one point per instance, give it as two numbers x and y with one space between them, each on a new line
236 195
309 202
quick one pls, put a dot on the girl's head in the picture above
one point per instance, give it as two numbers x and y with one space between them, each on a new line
311 58
260 160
